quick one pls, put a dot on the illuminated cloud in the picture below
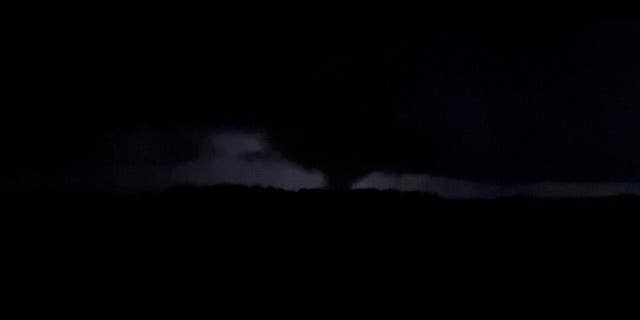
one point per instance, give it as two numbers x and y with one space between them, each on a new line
247 159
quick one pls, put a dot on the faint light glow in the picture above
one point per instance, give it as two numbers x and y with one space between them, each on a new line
225 159
246 158
461 189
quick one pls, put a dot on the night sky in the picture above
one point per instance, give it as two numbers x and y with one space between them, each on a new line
459 106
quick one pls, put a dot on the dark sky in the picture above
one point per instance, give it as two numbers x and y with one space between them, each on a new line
502 103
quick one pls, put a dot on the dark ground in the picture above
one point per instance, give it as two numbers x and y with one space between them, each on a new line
321 254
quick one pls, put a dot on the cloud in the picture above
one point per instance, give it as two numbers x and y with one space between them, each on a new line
461 189
247 159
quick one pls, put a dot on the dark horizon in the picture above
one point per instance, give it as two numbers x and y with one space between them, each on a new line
484 105
240 154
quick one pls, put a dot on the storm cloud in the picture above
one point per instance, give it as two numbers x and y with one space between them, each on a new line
461 189
247 158
496 101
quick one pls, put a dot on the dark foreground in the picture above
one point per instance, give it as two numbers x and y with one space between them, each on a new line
312 254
